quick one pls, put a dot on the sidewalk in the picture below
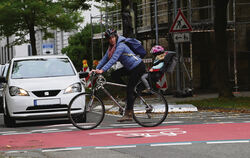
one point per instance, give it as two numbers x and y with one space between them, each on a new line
172 99
173 107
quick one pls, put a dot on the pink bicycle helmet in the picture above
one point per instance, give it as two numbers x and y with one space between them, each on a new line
156 50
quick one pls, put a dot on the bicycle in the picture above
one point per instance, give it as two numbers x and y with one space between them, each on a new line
149 109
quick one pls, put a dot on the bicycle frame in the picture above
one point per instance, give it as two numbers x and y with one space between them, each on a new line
101 81
148 110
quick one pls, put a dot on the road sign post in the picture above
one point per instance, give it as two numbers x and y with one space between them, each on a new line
181 33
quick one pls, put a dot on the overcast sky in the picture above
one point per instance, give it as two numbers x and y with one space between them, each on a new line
92 11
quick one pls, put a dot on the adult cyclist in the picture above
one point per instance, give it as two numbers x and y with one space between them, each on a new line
119 51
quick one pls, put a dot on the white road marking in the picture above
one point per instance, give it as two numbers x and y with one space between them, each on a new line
169 122
167 144
227 142
60 125
66 130
16 151
17 133
135 124
62 149
45 130
115 147
8 132
224 122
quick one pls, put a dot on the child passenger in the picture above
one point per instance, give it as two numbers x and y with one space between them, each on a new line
154 72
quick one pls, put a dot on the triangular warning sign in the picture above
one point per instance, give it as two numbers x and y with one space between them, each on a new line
180 23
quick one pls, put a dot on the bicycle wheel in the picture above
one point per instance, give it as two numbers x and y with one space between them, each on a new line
150 109
86 111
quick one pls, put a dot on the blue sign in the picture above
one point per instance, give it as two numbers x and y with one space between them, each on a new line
48 45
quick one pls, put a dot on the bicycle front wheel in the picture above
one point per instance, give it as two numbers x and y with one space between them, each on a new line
150 109
86 111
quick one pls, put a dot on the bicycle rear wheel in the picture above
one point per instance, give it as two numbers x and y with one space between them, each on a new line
150 109
86 111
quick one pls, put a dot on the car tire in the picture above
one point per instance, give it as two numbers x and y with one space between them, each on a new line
8 121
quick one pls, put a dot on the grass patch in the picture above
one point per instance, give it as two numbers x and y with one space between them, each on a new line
236 103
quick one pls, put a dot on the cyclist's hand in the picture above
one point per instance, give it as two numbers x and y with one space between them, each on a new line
92 71
99 71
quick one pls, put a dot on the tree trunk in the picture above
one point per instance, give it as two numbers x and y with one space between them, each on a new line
220 24
33 39
126 18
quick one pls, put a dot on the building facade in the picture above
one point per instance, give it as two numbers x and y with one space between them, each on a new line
49 46
152 23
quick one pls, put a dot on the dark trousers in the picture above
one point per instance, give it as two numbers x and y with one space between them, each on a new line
134 76
117 75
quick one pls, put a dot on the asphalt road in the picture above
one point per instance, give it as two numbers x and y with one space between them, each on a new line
182 135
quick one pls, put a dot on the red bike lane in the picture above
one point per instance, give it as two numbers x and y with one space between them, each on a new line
127 136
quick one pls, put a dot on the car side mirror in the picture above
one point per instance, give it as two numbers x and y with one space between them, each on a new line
83 74
2 79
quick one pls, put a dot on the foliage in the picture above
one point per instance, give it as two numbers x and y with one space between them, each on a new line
23 17
80 47
237 103
111 5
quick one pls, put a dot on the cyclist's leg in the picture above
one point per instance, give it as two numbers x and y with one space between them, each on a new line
117 75
134 77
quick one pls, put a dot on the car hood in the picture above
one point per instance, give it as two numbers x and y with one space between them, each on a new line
50 83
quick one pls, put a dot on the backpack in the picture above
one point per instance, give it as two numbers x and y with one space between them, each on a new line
136 46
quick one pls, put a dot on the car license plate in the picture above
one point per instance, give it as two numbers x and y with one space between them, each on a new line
47 101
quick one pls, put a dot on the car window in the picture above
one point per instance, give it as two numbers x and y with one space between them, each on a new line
4 70
36 68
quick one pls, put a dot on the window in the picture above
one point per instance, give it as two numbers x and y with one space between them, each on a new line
40 67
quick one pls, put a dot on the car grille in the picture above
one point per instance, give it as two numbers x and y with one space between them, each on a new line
49 93
44 109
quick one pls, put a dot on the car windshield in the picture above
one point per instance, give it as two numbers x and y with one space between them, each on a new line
37 68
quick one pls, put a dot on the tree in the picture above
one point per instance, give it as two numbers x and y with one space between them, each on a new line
220 24
79 47
126 8
28 16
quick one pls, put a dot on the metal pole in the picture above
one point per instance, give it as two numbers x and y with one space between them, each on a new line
92 44
191 44
156 23
41 52
101 31
178 76
55 42
235 57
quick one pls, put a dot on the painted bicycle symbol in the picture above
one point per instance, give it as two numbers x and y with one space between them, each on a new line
144 133
152 133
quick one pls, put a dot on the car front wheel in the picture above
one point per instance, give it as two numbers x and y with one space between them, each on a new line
8 121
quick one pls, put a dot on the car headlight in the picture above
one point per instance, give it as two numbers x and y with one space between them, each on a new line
74 88
16 91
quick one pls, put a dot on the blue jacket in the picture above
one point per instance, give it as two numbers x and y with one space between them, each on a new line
123 54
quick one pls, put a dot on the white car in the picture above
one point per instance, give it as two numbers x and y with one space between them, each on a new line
40 87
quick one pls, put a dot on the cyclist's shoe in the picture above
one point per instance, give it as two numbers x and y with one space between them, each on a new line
146 91
127 116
